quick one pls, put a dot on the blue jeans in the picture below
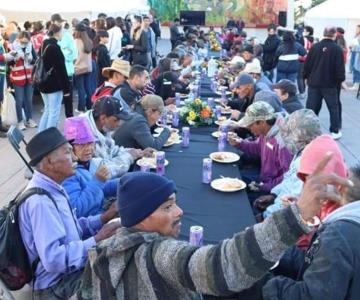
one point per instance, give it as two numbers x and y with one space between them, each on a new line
52 108
23 99
83 85
93 82
290 76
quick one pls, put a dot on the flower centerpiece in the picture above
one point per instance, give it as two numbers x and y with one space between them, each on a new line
214 42
197 113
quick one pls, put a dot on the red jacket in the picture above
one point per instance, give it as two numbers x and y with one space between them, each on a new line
19 74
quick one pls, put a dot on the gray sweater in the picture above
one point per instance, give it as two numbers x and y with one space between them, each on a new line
136 133
137 265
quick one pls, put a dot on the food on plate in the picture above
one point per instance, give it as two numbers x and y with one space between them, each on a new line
149 161
222 119
230 184
221 156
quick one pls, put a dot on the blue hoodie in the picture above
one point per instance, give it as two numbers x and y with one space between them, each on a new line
87 193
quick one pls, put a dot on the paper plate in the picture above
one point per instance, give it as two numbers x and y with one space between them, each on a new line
161 129
150 161
216 134
221 122
228 185
224 157
226 111
227 93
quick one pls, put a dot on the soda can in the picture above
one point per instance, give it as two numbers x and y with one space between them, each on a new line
163 119
175 119
185 137
224 128
222 141
160 162
218 111
207 170
211 102
223 96
145 168
177 99
196 236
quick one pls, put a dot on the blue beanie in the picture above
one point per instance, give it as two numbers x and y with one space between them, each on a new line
140 194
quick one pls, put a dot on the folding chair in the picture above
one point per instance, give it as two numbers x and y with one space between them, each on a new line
15 137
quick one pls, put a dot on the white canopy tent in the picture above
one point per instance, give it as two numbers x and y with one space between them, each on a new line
339 13
23 10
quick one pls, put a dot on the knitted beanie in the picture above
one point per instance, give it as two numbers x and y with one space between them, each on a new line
140 194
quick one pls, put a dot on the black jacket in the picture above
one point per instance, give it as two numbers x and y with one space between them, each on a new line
54 59
287 57
127 94
269 48
292 104
103 61
139 52
324 66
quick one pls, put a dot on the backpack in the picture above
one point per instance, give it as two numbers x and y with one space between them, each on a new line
15 267
101 91
39 75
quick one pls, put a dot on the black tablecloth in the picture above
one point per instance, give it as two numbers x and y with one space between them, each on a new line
205 89
221 214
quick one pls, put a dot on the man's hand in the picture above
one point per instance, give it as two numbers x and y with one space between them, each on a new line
287 200
315 190
148 152
135 153
235 114
102 173
111 213
264 201
106 231
235 141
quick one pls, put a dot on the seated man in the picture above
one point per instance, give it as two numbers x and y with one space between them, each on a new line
90 186
136 132
287 90
331 268
245 89
298 130
50 232
145 252
116 75
261 81
275 158
129 92
106 116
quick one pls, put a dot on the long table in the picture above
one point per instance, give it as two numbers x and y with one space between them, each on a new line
221 214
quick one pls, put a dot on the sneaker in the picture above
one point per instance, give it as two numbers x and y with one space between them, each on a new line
79 111
2 134
337 135
3 129
31 124
21 125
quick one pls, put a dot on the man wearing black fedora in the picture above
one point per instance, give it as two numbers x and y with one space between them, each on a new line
51 232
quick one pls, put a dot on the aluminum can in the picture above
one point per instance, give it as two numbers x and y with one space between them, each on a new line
177 99
222 141
207 170
185 135
211 102
218 111
160 162
175 119
196 236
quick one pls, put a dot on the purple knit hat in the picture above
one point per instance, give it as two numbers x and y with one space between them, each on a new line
78 129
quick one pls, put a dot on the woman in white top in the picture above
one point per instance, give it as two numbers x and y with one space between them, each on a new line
115 36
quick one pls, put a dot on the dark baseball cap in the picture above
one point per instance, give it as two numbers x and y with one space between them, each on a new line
111 106
243 79
56 18
286 85
248 48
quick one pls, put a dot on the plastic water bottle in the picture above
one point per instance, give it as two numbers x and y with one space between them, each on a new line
212 67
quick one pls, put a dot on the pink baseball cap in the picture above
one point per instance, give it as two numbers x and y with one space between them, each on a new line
78 129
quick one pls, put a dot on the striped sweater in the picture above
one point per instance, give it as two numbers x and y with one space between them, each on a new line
142 265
